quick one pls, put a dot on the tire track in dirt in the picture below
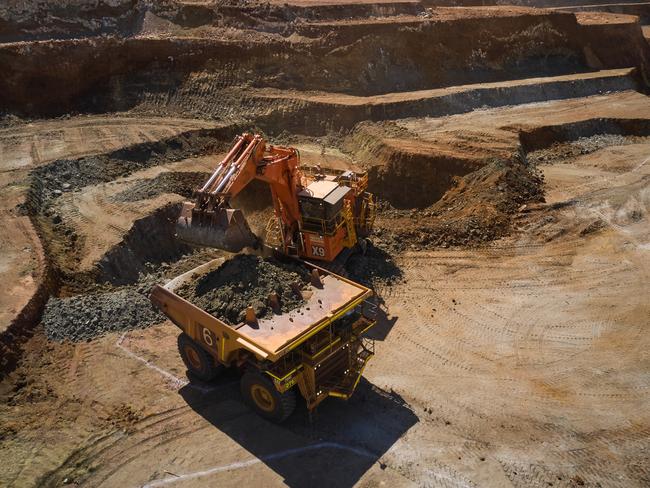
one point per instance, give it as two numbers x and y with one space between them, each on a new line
151 432
483 314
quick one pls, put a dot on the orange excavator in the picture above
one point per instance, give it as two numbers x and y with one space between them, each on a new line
320 214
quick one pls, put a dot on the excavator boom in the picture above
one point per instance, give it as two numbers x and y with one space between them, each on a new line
209 221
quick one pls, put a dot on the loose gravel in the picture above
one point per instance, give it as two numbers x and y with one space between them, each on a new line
569 151
242 281
85 317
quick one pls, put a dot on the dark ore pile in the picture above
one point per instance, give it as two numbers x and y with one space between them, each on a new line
246 280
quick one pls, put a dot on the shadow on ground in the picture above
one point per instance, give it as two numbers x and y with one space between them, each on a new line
341 443
384 325
377 270
373 267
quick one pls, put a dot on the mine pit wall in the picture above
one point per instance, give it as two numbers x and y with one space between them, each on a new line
270 17
67 19
150 240
360 10
147 239
642 11
407 175
626 7
318 118
63 19
544 137
617 46
54 77
110 74
417 180
13 338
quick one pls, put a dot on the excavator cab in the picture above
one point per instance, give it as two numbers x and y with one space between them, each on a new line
320 204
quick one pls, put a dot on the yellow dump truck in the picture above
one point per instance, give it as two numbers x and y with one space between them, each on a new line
318 349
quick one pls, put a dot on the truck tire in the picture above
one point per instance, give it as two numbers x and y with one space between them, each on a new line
262 396
197 360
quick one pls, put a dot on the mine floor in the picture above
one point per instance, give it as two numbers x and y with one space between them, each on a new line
483 356
510 258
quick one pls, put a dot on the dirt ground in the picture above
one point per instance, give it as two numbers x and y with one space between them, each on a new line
509 259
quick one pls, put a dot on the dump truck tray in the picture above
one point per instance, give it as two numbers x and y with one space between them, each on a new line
268 338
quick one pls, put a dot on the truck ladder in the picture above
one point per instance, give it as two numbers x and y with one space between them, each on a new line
351 235
357 361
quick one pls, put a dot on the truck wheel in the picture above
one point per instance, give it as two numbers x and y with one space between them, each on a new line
197 360
262 396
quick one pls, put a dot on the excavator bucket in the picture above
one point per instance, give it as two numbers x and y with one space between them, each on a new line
225 229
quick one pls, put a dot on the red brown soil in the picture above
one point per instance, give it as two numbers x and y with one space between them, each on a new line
514 44
476 209
512 323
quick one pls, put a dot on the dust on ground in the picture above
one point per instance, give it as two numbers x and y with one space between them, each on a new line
246 280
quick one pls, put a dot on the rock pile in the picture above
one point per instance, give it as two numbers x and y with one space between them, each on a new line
84 317
243 281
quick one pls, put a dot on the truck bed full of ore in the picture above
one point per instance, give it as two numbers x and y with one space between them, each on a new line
242 281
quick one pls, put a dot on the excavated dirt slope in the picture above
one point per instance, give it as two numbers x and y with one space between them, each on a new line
508 148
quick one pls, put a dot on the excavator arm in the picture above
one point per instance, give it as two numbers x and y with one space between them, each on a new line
210 221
